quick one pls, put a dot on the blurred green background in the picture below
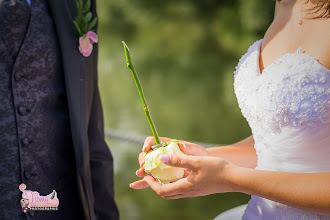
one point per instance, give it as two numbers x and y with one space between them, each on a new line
185 53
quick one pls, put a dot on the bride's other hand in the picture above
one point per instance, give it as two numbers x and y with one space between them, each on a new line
208 175
186 147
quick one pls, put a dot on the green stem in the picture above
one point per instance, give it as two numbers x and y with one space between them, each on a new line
139 87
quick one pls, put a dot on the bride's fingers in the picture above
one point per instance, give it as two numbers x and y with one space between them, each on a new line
140 184
141 160
149 141
179 196
186 173
191 149
140 172
155 185
183 147
170 189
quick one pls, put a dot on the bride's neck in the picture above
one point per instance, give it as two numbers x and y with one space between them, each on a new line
294 10
294 26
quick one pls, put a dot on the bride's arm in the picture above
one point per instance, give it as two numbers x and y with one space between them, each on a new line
307 191
241 153
209 175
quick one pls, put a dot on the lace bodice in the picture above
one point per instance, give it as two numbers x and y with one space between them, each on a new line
288 109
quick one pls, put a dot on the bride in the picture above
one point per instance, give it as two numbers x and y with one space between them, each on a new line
282 85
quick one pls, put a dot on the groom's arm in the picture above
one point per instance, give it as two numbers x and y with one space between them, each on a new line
101 161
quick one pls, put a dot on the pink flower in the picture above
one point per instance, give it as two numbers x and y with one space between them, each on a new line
86 43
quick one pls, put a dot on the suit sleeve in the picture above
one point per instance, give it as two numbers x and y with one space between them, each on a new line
101 164
101 161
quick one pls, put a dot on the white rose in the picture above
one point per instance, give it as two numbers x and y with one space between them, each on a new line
162 172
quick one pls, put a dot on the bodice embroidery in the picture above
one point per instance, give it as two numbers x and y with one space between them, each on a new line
293 90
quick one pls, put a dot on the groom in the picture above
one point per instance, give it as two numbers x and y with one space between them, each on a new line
51 121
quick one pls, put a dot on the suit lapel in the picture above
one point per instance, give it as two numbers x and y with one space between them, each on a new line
74 67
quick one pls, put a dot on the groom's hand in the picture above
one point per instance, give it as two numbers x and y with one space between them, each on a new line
186 147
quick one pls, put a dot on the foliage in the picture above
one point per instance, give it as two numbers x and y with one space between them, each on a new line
83 22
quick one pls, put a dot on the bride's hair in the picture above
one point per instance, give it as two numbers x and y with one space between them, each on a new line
320 10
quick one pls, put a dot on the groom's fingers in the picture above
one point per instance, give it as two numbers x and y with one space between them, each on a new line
140 184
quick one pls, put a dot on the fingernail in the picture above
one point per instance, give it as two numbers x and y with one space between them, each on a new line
130 185
144 147
165 158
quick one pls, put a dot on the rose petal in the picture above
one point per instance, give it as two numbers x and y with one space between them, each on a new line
92 36
84 42
87 52
85 46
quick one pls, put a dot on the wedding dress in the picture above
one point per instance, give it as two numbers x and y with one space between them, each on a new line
288 109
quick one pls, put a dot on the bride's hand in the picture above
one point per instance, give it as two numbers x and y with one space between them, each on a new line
208 175
186 147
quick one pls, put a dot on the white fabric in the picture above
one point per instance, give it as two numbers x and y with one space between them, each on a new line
288 110
232 214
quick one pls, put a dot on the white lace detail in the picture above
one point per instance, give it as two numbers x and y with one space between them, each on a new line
295 90
288 110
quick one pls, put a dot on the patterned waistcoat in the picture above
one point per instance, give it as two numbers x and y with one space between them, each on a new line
35 142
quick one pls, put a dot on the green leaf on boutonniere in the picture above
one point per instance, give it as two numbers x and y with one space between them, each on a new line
79 4
77 28
92 24
84 21
87 6
88 17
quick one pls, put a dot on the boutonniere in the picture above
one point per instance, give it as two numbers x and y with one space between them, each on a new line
84 25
